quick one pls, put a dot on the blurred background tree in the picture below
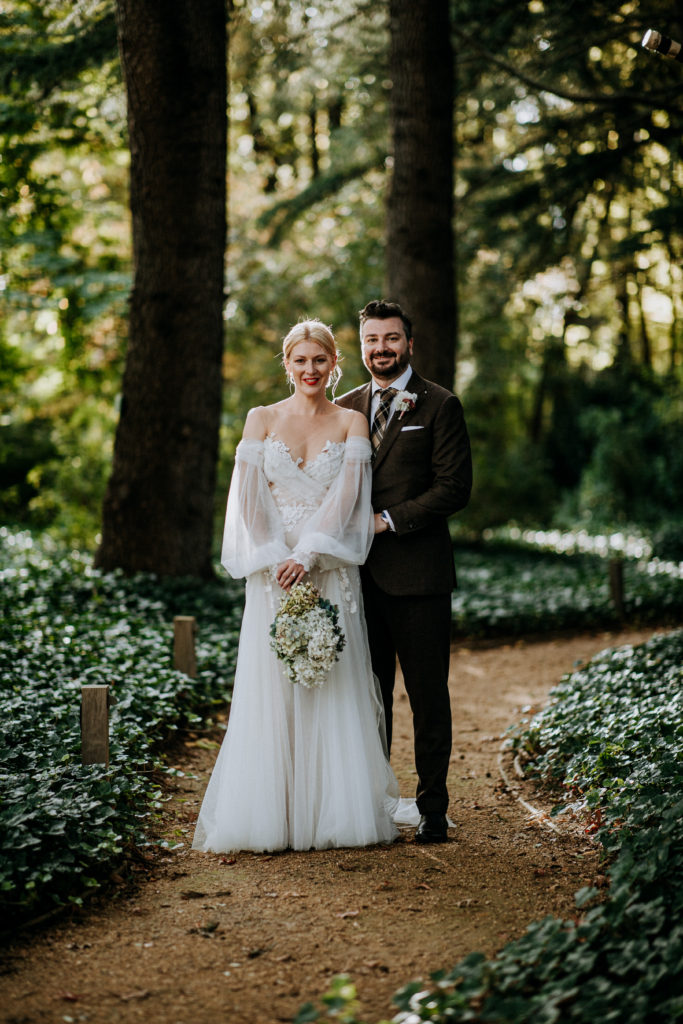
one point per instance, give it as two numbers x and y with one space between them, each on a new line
158 507
568 243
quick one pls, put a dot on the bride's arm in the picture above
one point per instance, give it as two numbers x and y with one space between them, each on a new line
254 535
359 427
341 531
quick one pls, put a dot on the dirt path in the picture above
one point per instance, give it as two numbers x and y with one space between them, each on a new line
247 939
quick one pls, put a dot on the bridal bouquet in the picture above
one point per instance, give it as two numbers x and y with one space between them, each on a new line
306 635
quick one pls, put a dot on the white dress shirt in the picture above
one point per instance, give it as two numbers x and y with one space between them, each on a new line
401 383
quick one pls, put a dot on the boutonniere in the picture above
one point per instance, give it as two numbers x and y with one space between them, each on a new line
404 401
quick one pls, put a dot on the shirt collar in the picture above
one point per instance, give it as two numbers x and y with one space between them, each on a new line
400 383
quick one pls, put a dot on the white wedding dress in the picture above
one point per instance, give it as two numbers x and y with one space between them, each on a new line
301 768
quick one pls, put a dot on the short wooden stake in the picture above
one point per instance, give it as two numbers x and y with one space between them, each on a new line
184 632
616 585
95 725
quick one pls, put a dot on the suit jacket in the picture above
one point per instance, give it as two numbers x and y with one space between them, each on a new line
422 474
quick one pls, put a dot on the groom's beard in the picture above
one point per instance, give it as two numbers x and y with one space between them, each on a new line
388 370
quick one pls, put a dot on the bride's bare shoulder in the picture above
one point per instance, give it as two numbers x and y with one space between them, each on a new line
262 419
256 424
356 423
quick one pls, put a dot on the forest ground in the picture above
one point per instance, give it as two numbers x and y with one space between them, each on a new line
248 938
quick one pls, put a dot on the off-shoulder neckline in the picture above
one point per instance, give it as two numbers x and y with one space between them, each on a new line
299 462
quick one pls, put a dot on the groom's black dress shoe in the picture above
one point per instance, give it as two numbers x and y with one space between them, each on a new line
433 828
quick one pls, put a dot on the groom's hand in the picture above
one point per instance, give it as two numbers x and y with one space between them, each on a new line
381 525
289 573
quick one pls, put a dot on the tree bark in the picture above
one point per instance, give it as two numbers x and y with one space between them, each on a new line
158 509
420 260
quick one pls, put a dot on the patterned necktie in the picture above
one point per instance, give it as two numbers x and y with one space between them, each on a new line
379 423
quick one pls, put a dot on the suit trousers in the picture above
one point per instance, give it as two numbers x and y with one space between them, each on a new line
417 629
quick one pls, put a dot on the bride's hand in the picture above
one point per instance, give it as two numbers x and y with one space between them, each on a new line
289 573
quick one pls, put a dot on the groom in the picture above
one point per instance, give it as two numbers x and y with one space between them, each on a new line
422 473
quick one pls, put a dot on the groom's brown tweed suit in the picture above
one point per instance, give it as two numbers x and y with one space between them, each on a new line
422 473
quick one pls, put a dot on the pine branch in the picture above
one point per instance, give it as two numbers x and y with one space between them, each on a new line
652 99
285 212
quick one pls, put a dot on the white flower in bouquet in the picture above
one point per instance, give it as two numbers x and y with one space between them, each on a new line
306 635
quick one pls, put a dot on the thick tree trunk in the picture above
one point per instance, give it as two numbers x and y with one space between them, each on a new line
420 261
158 510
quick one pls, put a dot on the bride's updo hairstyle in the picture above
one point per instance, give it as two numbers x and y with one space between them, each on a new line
317 331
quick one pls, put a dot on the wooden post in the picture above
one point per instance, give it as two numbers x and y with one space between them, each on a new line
184 632
95 725
616 585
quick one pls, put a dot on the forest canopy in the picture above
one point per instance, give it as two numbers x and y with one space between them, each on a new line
568 242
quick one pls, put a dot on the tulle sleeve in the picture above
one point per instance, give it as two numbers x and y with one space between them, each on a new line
254 536
341 531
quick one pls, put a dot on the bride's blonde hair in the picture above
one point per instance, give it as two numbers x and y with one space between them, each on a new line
317 331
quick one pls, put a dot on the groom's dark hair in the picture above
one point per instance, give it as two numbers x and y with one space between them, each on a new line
380 309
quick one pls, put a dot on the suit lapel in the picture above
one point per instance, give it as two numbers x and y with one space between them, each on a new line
360 400
397 422
365 402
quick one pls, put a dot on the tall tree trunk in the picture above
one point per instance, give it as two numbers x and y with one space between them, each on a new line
420 260
158 509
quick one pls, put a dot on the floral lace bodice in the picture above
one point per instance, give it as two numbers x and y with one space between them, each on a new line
296 488
318 514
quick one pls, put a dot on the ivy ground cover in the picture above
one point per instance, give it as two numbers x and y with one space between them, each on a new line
505 589
63 624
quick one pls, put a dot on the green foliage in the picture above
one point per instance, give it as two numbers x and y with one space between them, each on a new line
612 736
64 625
635 436
507 591
567 232
64 264
568 238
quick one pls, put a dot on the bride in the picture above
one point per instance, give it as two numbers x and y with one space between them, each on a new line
301 767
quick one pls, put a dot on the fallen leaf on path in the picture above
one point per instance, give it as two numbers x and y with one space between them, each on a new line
423 885
202 744
205 930
376 965
69 997
348 913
